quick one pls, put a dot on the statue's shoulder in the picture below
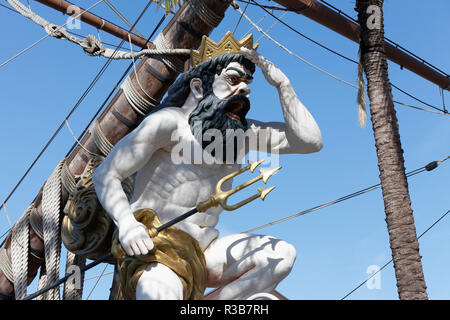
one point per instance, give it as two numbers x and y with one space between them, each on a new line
169 118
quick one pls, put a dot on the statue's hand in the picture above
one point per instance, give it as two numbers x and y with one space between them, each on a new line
272 74
134 238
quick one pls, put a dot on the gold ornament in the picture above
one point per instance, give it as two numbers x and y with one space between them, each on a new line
86 228
210 49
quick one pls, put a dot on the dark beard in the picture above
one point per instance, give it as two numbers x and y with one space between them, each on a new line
211 113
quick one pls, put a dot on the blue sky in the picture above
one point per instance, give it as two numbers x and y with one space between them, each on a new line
335 245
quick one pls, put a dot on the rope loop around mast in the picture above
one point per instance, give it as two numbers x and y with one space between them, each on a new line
205 13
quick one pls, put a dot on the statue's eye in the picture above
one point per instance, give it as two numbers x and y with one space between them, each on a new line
233 79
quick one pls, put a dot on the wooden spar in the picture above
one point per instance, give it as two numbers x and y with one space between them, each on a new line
320 13
95 21
183 31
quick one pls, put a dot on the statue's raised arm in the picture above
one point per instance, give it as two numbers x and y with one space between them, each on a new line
300 132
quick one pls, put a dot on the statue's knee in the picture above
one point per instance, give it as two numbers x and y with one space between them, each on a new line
286 255
158 282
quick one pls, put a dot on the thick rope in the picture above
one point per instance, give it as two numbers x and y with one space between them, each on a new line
53 30
172 61
166 53
68 180
5 265
139 103
19 254
51 200
42 282
153 100
36 223
78 142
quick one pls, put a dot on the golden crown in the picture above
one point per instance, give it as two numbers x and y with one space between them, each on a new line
210 49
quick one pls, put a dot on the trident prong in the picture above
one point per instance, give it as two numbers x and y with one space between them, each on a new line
264 192
221 197
266 174
254 164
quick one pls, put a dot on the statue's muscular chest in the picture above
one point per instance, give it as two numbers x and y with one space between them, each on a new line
176 180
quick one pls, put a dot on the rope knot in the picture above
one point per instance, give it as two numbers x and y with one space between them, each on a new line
92 46
56 31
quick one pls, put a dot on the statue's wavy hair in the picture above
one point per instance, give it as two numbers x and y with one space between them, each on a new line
180 89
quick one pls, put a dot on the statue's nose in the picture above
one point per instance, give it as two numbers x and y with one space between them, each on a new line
244 89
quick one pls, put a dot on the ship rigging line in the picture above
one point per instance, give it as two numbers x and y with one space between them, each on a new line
441 111
389 262
83 96
429 167
71 32
134 32
303 35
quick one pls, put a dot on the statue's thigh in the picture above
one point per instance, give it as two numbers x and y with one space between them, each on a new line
159 282
232 256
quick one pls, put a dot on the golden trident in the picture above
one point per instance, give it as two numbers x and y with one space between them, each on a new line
221 197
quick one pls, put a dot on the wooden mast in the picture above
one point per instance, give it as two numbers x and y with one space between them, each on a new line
194 19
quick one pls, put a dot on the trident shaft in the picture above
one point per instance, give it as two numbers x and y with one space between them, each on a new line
219 198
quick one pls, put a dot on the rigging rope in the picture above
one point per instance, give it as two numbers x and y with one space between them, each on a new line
96 283
305 36
389 262
52 30
236 7
122 17
356 62
398 46
430 166
71 32
51 199
90 44
340 12
19 254
289 51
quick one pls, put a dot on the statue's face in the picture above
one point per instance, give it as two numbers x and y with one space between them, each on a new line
233 82
224 108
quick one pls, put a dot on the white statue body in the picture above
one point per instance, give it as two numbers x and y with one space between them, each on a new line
240 264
